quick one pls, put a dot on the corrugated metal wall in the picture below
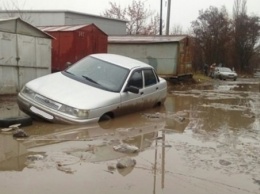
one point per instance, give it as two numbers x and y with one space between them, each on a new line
107 25
169 55
162 56
22 58
72 44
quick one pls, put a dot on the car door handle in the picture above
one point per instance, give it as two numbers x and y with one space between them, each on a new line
141 93
156 88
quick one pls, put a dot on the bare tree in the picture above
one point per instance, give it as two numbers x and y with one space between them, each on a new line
13 9
140 20
246 30
177 29
239 8
153 28
212 34
115 11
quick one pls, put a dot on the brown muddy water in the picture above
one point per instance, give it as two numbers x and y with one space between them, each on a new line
204 140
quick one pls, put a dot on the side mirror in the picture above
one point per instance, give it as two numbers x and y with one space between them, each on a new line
132 89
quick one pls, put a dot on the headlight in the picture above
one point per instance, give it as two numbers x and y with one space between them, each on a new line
74 111
28 92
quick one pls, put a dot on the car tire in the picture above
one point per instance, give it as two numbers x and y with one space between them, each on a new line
106 121
23 120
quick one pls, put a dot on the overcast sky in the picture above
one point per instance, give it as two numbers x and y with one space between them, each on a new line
182 11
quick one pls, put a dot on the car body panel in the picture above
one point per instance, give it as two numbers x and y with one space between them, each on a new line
64 90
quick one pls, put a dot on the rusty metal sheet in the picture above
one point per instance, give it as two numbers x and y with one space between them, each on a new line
72 43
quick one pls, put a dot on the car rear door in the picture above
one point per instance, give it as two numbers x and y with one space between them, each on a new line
149 91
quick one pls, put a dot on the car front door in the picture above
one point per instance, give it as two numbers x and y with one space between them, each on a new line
131 102
151 88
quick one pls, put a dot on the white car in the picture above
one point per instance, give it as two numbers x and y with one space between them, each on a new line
224 73
98 87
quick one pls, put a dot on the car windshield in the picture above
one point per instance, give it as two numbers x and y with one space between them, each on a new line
99 73
224 69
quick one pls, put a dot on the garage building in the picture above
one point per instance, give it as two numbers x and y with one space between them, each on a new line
37 18
25 54
169 55
72 43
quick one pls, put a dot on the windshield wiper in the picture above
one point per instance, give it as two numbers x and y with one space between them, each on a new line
89 79
69 72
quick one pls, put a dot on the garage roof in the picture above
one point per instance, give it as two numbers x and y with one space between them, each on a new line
19 26
61 28
145 39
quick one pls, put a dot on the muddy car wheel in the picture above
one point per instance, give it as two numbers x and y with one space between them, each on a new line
106 121
23 120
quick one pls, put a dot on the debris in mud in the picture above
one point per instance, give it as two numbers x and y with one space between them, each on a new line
35 157
17 132
11 128
180 119
20 133
152 116
111 167
126 163
65 169
224 162
256 181
167 146
126 148
124 131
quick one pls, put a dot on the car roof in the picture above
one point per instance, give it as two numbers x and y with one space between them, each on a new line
120 60
222 68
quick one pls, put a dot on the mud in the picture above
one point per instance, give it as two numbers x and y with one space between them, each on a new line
204 140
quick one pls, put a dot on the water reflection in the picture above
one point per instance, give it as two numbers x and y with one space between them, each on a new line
12 154
8 107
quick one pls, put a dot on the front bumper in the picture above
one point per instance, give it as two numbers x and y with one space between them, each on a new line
35 109
228 77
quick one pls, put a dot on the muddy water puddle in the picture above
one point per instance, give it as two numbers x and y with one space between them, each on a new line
205 139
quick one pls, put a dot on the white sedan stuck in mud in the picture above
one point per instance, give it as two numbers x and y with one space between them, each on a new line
98 87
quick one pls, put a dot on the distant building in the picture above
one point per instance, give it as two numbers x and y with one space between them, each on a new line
62 17
169 55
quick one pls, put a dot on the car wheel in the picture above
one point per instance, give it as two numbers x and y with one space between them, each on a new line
106 120
23 120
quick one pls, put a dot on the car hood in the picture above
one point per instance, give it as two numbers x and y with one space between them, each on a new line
65 90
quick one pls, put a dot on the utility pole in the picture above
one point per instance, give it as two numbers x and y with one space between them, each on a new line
161 18
168 17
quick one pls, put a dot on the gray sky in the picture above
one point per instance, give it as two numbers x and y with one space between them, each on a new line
182 11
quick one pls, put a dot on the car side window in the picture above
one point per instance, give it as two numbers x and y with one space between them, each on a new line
136 79
149 77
